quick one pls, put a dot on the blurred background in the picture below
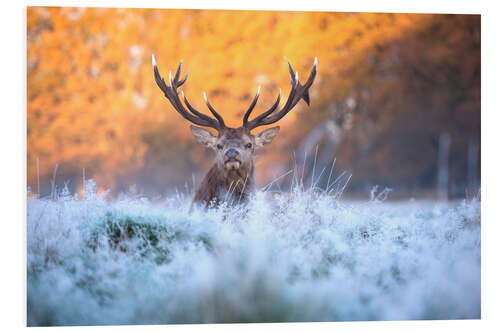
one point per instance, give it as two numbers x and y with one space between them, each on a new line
396 101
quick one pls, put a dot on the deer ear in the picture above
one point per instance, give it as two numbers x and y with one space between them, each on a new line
203 136
266 136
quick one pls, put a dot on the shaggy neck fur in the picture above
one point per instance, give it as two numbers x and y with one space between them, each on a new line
221 184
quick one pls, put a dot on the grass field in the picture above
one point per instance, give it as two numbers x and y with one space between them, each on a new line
303 256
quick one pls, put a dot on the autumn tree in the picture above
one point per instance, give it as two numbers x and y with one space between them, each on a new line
93 104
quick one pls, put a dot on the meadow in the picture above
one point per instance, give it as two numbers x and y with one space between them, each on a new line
304 255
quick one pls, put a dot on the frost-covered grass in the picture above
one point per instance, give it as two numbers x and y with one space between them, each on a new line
301 256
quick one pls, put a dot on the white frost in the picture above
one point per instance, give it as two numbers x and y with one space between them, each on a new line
300 256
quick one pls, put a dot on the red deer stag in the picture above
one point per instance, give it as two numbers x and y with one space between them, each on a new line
231 176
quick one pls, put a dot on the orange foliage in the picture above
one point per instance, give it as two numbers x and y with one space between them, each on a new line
93 103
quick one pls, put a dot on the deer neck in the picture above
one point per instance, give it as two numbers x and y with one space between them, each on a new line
221 182
238 180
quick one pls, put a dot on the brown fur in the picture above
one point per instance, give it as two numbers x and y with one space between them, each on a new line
224 182
220 185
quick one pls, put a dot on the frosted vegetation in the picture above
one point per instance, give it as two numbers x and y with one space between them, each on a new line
299 256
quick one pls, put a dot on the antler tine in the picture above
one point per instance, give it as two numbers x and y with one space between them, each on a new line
178 72
251 107
172 95
269 111
297 92
293 75
193 110
309 82
218 116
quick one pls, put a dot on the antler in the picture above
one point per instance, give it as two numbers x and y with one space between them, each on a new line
297 93
172 95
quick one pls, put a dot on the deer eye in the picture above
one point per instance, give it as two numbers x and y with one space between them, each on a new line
249 145
219 146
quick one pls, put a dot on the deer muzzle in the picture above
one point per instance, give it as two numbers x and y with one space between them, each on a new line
232 159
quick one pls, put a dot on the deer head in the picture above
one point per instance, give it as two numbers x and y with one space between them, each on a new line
235 147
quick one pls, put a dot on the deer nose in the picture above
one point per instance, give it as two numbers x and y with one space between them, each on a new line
232 153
